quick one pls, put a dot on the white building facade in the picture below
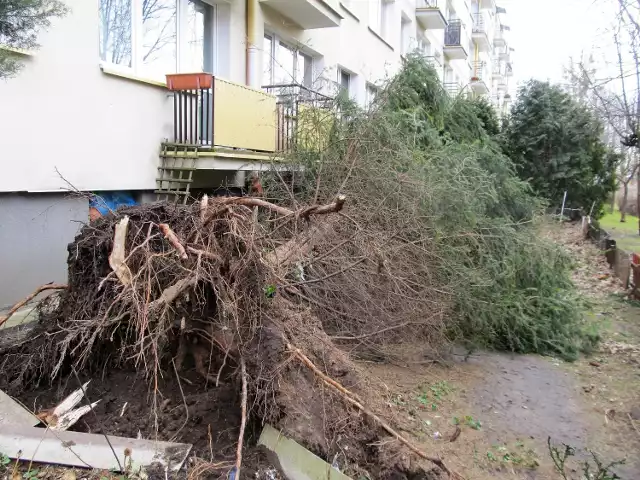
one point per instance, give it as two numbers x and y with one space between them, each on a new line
91 108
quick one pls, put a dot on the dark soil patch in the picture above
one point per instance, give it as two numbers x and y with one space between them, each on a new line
207 416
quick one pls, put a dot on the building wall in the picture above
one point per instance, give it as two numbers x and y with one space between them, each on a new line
62 112
34 234
102 132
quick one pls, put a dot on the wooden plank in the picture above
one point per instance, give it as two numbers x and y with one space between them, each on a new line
295 460
89 450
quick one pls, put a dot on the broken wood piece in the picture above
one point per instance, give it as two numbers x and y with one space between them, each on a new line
64 415
71 417
89 450
28 298
204 203
69 403
173 240
118 254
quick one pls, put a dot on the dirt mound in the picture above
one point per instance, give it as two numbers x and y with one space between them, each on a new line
157 288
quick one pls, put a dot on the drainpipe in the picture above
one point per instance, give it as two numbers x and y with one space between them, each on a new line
253 43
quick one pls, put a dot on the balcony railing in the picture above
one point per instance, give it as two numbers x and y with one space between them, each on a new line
478 23
453 34
303 117
452 88
209 112
479 71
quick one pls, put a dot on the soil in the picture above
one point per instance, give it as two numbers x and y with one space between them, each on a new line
206 416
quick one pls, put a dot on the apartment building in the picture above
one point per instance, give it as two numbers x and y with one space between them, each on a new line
93 110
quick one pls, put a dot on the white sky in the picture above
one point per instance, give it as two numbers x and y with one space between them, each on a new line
546 33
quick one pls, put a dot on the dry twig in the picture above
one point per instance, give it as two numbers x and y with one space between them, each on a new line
28 298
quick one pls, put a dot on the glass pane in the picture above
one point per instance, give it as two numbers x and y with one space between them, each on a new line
344 80
115 31
267 60
284 65
194 39
159 37
304 70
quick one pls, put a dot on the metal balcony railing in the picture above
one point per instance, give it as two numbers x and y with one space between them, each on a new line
452 88
478 23
453 33
479 71
297 119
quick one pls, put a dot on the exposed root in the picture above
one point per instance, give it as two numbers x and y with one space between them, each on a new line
31 296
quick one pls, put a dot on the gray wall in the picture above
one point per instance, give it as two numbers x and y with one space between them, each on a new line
35 230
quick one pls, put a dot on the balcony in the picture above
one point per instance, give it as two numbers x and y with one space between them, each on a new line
479 33
209 112
430 14
498 38
304 117
452 88
453 41
308 14
508 70
479 79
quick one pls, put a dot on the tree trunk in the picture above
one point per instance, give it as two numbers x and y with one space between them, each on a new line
623 204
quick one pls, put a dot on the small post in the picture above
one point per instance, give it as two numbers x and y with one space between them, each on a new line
564 199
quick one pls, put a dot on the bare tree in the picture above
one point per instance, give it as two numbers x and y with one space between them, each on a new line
614 93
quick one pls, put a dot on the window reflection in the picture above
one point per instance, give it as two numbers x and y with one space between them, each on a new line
115 31
159 52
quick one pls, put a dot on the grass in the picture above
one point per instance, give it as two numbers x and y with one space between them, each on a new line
625 233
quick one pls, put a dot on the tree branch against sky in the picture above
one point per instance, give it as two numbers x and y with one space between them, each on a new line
20 22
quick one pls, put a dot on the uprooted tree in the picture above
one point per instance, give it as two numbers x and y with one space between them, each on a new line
437 241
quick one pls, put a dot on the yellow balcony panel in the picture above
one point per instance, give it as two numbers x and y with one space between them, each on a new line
308 14
243 117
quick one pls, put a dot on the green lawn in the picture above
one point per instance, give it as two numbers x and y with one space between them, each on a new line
626 234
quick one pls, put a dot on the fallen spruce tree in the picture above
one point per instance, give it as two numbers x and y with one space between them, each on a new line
221 280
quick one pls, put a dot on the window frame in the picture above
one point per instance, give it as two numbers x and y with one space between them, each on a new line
276 42
136 66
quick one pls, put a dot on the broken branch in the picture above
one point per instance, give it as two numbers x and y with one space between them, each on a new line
27 299
353 400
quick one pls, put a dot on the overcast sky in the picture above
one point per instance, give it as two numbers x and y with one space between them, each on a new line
545 33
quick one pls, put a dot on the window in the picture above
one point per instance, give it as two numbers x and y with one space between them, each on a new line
370 95
379 14
283 64
405 36
157 37
344 81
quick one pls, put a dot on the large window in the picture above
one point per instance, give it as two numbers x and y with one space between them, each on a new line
379 16
156 37
284 65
